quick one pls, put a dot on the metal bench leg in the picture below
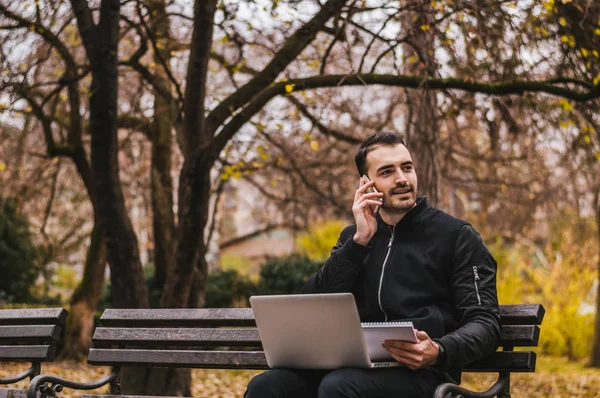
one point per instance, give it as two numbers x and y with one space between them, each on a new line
449 390
506 392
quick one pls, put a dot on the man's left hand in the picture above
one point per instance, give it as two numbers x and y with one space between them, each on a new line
414 355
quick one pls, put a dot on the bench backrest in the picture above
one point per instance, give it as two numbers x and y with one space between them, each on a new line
228 338
30 335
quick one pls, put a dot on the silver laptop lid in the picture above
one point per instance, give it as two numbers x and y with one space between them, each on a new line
310 331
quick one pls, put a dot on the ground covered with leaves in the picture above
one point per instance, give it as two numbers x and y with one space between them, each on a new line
555 377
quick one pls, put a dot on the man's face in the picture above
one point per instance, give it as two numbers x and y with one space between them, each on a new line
392 170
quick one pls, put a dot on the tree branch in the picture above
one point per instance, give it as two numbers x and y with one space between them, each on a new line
517 87
292 48
253 234
87 29
320 126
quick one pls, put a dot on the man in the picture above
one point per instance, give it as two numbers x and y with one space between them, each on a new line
407 262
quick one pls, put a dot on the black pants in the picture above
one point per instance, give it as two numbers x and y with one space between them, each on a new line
347 382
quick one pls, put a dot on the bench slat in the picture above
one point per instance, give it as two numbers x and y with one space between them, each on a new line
181 317
518 335
123 396
242 337
27 353
517 361
33 316
29 333
522 314
497 362
178 358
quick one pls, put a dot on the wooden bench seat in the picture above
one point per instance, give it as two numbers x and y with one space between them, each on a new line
228 339
28 335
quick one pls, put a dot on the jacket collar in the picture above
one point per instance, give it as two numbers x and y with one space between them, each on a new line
411 217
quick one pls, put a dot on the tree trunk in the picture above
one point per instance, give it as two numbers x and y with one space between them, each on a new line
595 358
194 195
160 381
101 42
80 323
194 181
162 184
422 130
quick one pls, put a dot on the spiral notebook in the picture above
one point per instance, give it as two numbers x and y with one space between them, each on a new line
377 332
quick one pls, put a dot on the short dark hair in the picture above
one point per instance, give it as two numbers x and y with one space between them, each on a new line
381 138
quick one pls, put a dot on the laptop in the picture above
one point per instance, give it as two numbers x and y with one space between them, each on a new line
312 331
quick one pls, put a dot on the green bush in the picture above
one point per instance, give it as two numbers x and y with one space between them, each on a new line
286 275
227 288
18 256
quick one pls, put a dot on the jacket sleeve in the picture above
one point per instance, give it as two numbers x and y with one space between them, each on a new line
473 287
341 268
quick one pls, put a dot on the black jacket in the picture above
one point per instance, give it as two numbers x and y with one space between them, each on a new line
437 273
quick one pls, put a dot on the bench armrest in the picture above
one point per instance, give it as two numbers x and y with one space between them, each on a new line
446 390
40 384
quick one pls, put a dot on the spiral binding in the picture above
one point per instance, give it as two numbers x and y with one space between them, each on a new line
386 324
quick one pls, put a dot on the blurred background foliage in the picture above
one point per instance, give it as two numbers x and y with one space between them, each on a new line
523 167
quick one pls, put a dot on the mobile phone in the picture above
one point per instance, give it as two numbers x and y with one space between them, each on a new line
371 189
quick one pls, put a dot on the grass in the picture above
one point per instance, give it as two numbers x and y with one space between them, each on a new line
555 377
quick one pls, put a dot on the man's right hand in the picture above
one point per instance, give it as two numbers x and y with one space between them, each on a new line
364 217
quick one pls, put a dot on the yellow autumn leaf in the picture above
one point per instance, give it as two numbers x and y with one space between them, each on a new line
595 52
597 31
562 21
425 27
2 166
597 155
3 107
597 80
314 145
566 105
289 87
584 52
28 109
273 182
564 38
586 139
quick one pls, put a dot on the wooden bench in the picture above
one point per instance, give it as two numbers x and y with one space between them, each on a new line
28 335
228 339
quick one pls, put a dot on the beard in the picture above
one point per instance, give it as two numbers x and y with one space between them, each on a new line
400 199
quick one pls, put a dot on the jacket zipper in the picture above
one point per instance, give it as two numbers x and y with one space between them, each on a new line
476 274
389 249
